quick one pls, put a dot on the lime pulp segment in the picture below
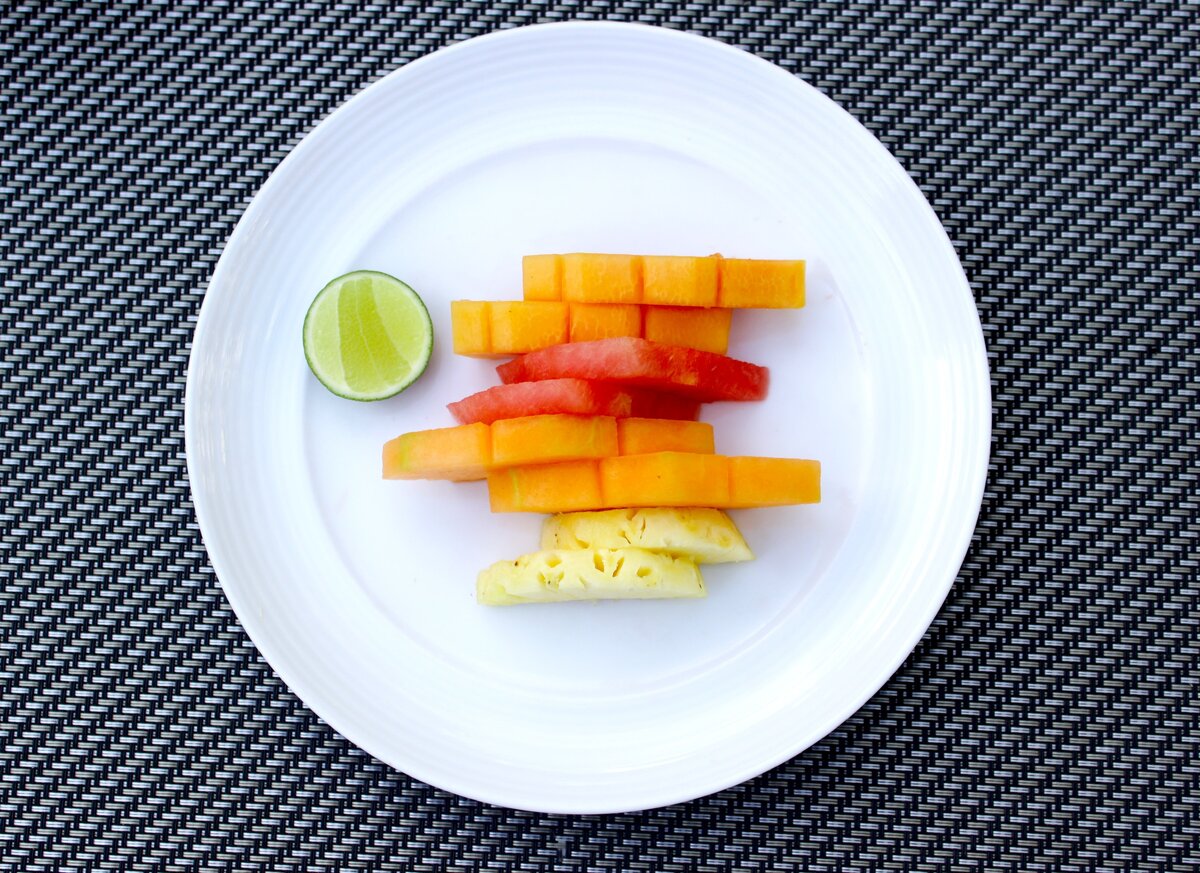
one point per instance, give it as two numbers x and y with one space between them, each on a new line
367 336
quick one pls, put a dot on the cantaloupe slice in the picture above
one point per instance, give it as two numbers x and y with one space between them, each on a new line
594 278
747 283
670 280
457 453
485 328
590 321
773 482
491 328
693 327
540 439
542 277
471 451
640 436
518 327
470 326
665 479
563 487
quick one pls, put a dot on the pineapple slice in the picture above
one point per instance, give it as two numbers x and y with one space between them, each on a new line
588 574
706 536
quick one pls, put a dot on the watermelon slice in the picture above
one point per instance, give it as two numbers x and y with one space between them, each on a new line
574 396
654 404
632 361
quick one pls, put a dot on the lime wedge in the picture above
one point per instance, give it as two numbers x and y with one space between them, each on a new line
367 336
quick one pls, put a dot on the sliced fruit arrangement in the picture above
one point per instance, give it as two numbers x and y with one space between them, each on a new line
595 422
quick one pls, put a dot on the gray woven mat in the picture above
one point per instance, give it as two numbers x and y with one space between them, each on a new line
1047 722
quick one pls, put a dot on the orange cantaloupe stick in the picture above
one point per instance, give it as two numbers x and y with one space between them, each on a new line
665 479
596 278
494 328
746 283
457 453
660 479
673 280
541 439
696 327
640 436
593 321
518 326
773 482
471 451
491 328
565 487
541 276
470 326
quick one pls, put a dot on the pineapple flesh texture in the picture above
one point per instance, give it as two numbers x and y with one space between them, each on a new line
706 536
556 575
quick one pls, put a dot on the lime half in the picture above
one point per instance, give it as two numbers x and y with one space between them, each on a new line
367 336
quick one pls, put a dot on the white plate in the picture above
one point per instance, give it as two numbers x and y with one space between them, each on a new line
599 137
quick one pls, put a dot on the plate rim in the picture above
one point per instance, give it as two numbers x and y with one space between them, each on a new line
260 201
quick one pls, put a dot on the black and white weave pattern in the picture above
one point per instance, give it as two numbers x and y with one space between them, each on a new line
1048 722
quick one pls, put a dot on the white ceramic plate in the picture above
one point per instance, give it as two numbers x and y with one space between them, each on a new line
593 137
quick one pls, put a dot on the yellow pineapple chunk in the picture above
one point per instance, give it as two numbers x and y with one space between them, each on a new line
557 575
706 536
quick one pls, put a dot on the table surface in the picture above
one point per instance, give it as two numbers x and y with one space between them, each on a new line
1048 720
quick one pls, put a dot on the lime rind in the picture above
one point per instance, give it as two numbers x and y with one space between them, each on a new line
367 336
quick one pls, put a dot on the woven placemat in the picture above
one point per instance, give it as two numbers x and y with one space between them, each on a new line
1048 721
